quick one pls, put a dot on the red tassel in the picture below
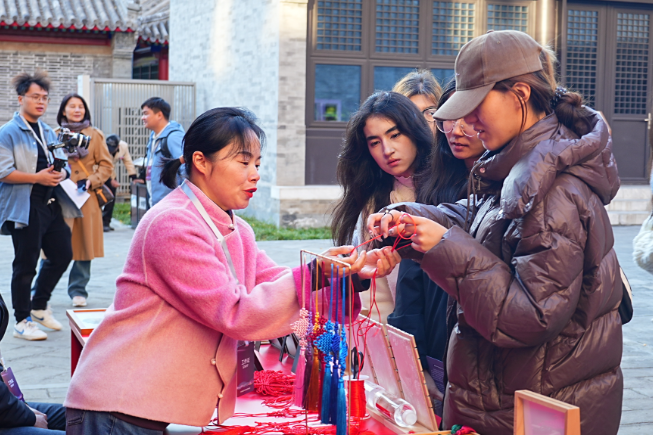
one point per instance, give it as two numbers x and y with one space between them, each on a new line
298 392
312 398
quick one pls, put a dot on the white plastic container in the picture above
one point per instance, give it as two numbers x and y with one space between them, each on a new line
393 408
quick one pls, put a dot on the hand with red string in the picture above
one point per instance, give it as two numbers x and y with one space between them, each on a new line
365 264
423 233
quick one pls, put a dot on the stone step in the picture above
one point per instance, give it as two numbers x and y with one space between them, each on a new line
634 192
628 217
629 205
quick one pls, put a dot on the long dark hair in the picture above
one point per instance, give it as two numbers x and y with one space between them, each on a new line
212 131
365 185
61 114
444 180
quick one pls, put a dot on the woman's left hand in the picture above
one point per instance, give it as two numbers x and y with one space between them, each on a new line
424 233
382 261
365 264
88 185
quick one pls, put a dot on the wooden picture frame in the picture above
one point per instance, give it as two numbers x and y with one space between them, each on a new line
532 408
411 376
379 355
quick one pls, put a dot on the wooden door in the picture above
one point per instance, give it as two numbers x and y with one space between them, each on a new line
608 59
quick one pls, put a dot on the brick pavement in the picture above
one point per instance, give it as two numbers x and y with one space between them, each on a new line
43 368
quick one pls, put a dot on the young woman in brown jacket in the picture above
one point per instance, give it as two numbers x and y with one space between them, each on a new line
95 166
529 257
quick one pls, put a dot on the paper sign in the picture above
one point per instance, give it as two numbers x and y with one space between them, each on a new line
79 198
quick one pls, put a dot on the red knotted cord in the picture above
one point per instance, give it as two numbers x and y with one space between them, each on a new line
279 386
364 326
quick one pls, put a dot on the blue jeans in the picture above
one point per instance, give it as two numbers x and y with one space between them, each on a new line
81 422
80 275
56 421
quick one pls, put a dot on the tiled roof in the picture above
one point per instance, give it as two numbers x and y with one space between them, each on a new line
154 28
108 15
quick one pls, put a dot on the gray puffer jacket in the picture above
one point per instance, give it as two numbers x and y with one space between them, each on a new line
536 281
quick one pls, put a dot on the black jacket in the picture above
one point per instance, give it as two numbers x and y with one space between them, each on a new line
13 412
421 310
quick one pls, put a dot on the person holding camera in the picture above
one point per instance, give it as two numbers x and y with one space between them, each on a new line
90 168
120 152
33 207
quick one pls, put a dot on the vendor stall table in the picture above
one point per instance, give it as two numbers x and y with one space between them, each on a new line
83 321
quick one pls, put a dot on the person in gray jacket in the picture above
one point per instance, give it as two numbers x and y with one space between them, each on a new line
33 206
165 143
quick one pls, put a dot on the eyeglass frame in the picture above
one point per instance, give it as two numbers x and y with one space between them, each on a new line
429 118
458 122
38 98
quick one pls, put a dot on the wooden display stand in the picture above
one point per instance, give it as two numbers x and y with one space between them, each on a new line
82 323
536 414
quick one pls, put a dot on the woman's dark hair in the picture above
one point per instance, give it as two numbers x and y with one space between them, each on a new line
212 131
23 81
569 109
366 187
62 108
444 180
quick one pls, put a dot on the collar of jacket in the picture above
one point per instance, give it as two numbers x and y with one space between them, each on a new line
221 218
17 118
530 163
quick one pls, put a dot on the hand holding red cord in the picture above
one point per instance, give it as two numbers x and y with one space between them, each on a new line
424 233
381 261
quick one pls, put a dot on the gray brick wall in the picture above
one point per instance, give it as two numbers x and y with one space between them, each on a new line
230 49
62 67
250 53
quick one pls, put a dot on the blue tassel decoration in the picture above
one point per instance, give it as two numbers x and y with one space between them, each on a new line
341 423
341 414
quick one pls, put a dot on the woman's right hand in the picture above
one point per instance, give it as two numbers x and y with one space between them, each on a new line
381 222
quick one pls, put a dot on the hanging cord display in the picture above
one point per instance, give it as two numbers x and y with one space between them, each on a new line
323 343
361 328
300 328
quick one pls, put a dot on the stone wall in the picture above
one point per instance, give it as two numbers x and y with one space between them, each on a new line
251 53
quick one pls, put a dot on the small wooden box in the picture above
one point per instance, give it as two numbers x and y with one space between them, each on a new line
536 414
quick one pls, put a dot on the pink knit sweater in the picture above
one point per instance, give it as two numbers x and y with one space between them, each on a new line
166 350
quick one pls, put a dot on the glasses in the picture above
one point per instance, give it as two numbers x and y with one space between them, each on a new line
428 114
447 127
38 98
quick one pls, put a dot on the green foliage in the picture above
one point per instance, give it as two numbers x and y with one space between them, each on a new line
263 230
122 212
267 231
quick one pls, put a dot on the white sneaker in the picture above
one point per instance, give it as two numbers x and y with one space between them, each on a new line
28 330
45 318
79 301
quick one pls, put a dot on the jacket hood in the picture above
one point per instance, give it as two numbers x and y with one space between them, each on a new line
530 163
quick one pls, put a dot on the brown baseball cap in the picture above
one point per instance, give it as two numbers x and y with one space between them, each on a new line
483 62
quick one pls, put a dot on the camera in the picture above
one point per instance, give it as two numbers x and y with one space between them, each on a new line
69 142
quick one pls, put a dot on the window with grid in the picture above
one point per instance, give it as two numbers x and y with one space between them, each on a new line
507 17
397 26
339 25
631 84
582 51
453 27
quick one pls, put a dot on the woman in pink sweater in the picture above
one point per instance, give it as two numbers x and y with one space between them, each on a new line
194 283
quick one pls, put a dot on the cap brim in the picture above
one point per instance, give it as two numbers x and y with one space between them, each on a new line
462 103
